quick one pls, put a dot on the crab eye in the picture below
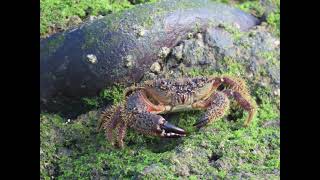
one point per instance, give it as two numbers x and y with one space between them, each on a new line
221 87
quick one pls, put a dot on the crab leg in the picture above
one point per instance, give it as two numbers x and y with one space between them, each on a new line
110 120
216 106
244 102
155 125
144 118
121 133
237 89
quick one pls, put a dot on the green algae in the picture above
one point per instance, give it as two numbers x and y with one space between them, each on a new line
113 94
55 13
274 21
253 7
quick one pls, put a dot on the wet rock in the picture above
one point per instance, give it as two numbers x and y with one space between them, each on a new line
172 63
221 40
177 52
194 52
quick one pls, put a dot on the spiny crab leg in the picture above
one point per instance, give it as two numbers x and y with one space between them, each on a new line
110 120
216 106
244 102
238 90
218 103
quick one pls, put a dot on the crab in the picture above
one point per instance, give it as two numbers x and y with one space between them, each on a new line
145 102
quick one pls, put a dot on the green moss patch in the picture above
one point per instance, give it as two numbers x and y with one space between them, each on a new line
55 14
114 95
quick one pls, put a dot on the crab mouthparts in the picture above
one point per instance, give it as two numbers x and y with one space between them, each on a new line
172 130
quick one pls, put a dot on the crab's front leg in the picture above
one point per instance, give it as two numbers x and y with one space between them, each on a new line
245 102
113 122
239 92
145 118
155 125
140 114
217 104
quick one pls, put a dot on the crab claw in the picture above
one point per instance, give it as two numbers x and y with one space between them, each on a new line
171 130
156 125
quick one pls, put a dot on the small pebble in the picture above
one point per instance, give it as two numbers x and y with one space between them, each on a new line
141 32
177 52
237 25
199 36
276 92
92 58
68 121
128 61
250 75
74 20
91 18
164 52
155 67
190 35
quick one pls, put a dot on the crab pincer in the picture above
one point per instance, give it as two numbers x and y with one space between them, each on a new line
156 125
171 130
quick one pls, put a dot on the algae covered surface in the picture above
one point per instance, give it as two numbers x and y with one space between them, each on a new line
223 149
74 149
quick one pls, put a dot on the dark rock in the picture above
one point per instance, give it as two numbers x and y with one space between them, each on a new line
221 41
